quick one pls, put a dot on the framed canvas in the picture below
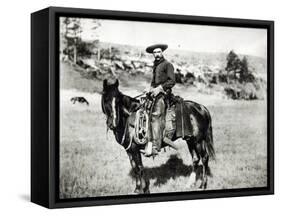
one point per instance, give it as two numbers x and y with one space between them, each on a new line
138 107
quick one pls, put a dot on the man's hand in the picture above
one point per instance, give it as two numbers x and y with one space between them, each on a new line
156 91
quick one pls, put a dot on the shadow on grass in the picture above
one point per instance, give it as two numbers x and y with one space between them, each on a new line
173 168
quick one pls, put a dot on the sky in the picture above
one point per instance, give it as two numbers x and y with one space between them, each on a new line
198 38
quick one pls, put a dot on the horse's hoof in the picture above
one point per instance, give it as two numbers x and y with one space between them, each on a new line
147 192
138 191
203 185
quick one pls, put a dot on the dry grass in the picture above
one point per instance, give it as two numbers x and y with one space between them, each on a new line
93 164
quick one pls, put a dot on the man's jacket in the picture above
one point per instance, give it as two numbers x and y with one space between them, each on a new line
163 74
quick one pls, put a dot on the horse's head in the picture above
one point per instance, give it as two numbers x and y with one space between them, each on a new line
111 102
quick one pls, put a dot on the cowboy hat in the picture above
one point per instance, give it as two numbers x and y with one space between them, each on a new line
153 47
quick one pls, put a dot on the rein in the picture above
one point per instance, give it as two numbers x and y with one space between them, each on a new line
126 129
127 112
139 95
124 135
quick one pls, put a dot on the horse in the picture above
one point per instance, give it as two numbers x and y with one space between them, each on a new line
120 110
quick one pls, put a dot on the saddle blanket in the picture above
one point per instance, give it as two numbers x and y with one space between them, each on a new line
183 122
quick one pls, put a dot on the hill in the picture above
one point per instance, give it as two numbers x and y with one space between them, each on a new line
131 65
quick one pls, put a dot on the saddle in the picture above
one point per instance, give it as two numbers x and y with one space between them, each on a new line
177 123
183 127
183 121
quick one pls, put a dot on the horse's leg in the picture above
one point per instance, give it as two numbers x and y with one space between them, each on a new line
205 161
195 162
142 183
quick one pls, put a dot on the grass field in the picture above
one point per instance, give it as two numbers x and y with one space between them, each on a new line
93 164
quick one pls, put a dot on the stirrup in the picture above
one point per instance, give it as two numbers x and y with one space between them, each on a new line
154 152
149 150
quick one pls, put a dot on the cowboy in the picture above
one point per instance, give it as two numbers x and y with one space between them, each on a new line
162 83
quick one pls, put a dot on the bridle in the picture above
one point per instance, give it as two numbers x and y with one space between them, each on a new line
116 108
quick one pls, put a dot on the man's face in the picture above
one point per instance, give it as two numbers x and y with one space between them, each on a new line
158 54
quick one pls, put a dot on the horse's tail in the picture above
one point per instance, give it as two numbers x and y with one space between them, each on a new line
209 143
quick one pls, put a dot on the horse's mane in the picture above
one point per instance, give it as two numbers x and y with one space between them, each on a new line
128 102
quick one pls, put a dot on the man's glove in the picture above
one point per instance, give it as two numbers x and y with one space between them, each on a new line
156 91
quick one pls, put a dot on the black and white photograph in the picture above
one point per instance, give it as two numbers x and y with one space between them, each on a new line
157 107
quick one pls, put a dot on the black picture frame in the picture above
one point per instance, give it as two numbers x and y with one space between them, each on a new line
45 106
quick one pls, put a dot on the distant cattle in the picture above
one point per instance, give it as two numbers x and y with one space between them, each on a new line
79 99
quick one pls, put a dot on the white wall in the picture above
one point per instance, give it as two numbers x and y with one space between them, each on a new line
15 106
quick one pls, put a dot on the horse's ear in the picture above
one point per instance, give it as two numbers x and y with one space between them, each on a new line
117 83
104 84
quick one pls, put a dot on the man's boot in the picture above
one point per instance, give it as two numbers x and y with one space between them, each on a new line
149 150
157 128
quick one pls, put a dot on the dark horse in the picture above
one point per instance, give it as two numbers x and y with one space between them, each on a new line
120 112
